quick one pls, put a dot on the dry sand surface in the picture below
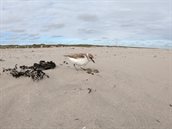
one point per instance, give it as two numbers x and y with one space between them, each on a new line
133 90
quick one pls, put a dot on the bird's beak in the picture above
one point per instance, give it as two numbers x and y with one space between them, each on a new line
92 60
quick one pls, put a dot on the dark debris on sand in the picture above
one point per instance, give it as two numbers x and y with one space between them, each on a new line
2 60
89 90
65 62
35 72
91 71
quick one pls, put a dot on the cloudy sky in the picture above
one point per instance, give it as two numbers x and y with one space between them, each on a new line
133 22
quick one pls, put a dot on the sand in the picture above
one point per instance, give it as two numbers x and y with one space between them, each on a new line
133 90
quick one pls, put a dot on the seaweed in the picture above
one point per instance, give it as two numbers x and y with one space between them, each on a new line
35 71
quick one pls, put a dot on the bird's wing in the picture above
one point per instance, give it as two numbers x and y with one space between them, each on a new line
79 55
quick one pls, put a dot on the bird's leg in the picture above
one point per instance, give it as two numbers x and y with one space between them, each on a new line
75 67
82 68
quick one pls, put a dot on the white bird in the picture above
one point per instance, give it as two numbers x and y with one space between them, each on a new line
80 59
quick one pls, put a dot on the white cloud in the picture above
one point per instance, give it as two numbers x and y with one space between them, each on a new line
113 19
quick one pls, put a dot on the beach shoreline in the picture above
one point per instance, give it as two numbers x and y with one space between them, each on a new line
75 45
132 89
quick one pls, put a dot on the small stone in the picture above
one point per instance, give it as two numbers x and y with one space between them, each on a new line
89 90
2 60
158 121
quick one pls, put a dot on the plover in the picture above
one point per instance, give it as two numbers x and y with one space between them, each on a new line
80 59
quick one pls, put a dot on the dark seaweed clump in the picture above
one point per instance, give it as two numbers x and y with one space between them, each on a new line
35 71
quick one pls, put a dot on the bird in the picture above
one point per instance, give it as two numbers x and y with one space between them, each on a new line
80 59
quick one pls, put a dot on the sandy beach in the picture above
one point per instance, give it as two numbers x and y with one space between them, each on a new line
133 90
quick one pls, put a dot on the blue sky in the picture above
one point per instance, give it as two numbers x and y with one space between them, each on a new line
110 22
